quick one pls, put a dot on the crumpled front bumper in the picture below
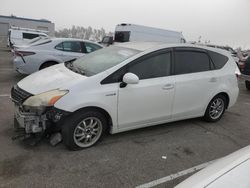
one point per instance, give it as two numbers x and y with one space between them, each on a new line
31 122
39 122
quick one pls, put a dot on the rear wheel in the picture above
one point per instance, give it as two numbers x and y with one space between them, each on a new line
215 108
47 64
247 85
83 129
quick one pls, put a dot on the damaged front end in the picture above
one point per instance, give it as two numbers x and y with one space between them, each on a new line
35 115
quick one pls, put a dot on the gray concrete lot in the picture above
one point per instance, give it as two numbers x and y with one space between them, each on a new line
123 160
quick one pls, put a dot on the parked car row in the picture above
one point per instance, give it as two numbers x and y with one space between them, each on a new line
245 71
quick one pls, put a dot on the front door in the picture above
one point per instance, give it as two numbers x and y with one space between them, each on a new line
149 101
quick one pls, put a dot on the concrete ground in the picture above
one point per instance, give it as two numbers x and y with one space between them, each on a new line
122 160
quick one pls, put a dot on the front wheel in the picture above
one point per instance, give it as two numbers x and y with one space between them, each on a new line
215 108
247 85
83 129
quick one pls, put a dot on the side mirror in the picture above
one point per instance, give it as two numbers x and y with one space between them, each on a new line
130 78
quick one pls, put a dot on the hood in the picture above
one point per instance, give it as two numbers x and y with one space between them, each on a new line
55 77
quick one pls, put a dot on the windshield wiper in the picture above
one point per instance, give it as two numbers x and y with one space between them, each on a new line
70 66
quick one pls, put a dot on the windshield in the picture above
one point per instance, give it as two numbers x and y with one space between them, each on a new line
102 60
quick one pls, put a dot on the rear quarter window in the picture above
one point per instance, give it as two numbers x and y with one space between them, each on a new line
219 60
30 35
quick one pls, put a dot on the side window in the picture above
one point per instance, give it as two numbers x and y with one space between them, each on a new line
218 59
191 62
72 46
122 36
69 46
59 46
29 35
152 67
147 67
90 47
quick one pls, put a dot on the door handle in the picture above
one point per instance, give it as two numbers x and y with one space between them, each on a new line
213 79
168 86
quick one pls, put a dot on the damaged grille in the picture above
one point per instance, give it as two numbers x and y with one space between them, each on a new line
18 95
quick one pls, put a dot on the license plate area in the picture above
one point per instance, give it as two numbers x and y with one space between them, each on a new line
20 118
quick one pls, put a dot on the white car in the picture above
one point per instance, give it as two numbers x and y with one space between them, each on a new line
125 87
50 52
231 171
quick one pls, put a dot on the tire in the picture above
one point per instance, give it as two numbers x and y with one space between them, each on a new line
47 64
77 132
216 108
247 85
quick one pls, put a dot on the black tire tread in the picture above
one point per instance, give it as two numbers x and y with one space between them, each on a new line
70 123
207 117
47 64
247 84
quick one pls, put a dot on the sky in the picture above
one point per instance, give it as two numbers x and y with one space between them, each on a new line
223 22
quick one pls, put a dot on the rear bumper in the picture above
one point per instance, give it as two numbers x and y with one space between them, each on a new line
19 65
245 77
234 93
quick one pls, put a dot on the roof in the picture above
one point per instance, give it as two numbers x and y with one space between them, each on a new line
143 46
74 39
27 19
145 27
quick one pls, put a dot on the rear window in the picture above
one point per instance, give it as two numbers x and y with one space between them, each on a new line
30 35
218 59
122 36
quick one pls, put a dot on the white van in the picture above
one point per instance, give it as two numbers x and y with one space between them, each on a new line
21 36
138 33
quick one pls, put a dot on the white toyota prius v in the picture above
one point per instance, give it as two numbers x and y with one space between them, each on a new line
125 87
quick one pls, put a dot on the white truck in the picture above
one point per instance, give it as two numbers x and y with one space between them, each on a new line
21 36
137 33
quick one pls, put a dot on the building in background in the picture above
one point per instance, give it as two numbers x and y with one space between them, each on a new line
12 21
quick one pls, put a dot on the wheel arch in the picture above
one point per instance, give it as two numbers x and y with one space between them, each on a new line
48 61
226 96
101 110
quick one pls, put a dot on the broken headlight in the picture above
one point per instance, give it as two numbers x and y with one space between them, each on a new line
45 99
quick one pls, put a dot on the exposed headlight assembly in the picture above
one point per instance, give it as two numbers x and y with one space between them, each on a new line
48 98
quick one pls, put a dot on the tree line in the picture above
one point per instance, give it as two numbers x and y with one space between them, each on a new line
88 33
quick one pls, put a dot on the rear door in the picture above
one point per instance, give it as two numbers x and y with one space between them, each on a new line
69 50
195 82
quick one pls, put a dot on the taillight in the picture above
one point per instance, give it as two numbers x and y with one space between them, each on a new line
24 53
237 73
242 65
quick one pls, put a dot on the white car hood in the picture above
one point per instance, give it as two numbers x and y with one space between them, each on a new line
55 77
